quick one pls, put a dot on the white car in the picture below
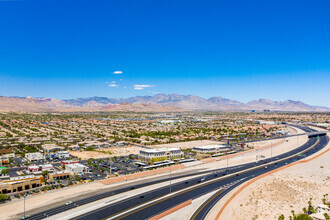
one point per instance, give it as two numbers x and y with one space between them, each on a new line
202 179
68 203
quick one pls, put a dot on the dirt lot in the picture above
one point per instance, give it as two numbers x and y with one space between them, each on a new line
188 144
113 151
281 192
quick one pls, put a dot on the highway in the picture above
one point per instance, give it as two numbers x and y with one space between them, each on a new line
152 203
144 206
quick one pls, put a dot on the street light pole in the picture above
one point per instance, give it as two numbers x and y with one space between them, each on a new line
170 179
271 150
227 163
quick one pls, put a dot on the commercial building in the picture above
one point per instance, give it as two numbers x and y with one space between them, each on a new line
268 122
32 157
66 162
46 167
59 175
160 153
62 154
4 160
7 153
211 149
20 183
76 168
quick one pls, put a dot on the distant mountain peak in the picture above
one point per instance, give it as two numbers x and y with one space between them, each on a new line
158 102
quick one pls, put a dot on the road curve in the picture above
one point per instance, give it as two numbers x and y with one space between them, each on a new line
154 202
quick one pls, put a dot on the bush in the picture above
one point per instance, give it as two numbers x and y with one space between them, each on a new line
4 197
4 171
89 149
304 217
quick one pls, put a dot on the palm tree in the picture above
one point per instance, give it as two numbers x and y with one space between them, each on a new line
324 198
293 215
304 210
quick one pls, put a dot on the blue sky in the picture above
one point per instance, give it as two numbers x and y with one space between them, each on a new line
243 50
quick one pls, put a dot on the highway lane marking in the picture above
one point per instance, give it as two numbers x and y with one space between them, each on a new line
144 205
227 186
64 209
61 210
274 171
207 202
50 212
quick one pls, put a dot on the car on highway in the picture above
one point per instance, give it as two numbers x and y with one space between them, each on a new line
68 203
201 180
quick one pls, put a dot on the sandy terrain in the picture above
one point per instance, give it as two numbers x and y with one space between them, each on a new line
188 144
281 192
113 151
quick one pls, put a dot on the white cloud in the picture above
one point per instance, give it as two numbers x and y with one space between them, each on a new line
113 85
140 87
113 82
117 72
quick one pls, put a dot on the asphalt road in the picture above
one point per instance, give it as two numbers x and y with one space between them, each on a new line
122 209
160 206
204 209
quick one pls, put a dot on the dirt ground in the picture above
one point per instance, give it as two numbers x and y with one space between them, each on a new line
112 151
281 192
188 144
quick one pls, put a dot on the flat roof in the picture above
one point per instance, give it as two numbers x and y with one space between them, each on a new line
73 165
210 146
158 150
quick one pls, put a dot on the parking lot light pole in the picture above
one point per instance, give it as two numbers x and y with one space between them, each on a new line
24 205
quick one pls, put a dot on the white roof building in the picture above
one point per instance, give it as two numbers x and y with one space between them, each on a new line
76 168
211 148
62 154
158 153
34 156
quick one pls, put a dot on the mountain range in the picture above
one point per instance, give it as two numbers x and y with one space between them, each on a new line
157 103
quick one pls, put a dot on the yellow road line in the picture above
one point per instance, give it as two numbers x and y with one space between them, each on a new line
205 204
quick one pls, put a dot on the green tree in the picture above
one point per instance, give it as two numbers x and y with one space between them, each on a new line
4 197
293 215
326 216
303 217
281 217
4 171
